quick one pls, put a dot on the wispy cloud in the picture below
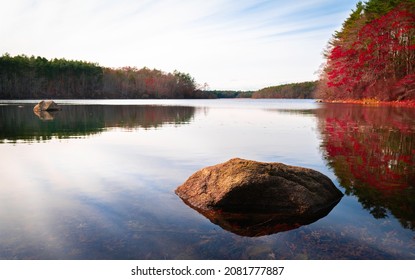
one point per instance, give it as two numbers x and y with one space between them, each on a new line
229 44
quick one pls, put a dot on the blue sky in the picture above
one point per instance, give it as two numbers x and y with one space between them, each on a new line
242 45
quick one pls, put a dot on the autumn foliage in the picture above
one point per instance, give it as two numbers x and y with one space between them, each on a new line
373 56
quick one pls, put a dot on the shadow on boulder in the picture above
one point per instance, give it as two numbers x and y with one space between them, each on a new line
46 105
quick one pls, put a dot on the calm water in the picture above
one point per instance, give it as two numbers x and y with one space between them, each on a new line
97 179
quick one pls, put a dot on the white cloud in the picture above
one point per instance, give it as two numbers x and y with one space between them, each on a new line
228 44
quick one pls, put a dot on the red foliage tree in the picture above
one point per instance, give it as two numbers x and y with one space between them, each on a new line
376 60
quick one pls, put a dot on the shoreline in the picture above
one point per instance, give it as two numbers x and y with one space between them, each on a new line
372 102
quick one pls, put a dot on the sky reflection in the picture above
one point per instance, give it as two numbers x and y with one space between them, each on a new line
110 195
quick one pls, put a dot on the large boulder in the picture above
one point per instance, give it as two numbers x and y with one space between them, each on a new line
245 186
46 105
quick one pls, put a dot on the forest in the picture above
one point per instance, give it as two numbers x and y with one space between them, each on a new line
23 77
303 90
229 93
373 55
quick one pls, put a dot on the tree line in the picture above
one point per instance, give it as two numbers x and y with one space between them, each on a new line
23 77
229 93
303 90
373 55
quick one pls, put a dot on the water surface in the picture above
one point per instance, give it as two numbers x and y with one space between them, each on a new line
97 179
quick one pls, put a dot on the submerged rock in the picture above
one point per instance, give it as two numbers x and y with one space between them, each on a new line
250 187
47 105
259 224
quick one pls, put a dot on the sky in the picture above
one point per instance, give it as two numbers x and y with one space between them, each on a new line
230 45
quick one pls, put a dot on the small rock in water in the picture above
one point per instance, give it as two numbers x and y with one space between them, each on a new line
47 105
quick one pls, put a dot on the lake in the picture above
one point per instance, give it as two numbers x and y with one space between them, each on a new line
96 180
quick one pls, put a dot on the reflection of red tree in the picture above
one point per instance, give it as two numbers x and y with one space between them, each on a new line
368 158
372 151
381 152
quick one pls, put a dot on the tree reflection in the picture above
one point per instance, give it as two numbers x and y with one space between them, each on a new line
20 123
372 152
